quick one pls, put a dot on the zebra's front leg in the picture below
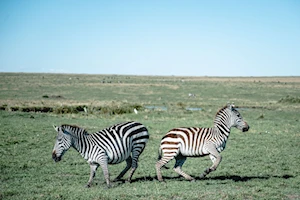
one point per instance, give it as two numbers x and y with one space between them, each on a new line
93 167
128 165
104 166
216 158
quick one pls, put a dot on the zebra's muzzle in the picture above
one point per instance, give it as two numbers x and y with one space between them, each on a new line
246 128
55 157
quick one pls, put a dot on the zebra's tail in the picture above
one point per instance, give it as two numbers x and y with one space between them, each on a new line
160 156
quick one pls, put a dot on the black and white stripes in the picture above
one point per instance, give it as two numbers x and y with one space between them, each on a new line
125 141
180 143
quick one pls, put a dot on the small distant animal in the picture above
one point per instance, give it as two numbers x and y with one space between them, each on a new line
124 141
180 143
192 95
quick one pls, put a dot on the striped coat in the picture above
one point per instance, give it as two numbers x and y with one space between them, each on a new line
180 143
115 144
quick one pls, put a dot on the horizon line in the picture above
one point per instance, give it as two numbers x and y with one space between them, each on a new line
214 76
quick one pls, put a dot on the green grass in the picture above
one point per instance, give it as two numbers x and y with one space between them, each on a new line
260 164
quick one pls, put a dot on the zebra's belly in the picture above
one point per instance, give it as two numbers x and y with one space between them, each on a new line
193 153
219 148
117 157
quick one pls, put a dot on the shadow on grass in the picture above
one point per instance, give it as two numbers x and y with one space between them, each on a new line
235 178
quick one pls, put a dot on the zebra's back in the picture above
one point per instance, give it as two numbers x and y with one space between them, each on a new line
119 140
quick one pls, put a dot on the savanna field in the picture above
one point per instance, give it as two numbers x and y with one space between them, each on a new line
262 163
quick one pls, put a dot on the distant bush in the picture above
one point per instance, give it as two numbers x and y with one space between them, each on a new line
181 105
3 107
53 96
65 110
31 109
289 99
110 109
119 109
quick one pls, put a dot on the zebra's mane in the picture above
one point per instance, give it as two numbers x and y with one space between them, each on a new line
224 108
221 110
75 127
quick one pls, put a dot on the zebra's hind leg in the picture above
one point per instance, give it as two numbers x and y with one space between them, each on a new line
216 158
136 152
131 173
93 167
128 165
178 165
164 160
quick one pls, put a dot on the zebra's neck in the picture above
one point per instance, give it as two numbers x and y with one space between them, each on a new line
222 123
79 140
222 129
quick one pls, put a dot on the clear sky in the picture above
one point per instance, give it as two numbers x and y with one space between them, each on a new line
155 37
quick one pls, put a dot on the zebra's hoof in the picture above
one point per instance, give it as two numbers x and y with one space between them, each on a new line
128 181
161 180
87 186
202 176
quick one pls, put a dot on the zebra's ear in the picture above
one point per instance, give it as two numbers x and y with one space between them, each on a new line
56 128
65 131
230 106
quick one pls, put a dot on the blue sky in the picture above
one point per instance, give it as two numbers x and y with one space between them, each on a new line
183 38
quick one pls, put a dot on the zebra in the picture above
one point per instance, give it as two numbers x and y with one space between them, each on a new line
113 145
180 143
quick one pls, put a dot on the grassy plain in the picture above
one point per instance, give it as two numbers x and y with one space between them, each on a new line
260 164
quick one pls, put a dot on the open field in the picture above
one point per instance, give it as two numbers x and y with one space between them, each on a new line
260 164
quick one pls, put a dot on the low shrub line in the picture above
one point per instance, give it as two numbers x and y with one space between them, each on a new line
65 109
289 99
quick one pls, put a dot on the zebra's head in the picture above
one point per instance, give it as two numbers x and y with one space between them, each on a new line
62 144
237 119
